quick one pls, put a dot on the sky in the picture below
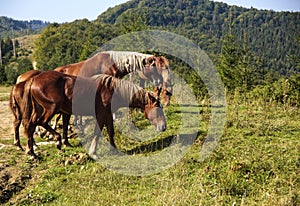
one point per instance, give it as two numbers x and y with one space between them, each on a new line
69 10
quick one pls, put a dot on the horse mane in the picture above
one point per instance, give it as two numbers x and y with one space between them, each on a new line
128 61
125 89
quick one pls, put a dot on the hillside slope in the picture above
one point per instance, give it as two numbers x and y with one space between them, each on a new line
14 28
269 35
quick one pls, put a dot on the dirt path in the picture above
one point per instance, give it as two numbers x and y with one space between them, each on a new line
6 122
12 178
17 171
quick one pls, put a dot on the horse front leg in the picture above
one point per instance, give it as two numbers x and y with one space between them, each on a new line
78 122
66 120
142 83
55 125
111 131
97 134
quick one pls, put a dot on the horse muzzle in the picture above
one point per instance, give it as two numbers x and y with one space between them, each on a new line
161 127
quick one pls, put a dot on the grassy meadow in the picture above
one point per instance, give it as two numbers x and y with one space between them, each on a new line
255 163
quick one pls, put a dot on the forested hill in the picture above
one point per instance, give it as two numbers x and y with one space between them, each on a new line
248 46
271 36
13 28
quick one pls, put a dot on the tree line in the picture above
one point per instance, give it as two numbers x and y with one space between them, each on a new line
250 47
13 61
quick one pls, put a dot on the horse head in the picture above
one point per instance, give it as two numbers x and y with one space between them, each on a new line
154 113
166 95
150 71
164 71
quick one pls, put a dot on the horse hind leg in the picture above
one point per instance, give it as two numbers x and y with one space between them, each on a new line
17 123
47 116
30 131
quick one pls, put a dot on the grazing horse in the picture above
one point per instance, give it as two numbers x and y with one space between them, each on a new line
52 92
121 63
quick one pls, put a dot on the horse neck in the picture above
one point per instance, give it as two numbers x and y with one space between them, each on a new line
128 94
140 101
128 62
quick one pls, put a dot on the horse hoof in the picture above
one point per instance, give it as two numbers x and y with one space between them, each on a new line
32 154
33 157
19 146
67 144
94 156
58 146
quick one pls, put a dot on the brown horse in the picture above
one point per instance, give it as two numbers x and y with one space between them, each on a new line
52 92
120 63
15 101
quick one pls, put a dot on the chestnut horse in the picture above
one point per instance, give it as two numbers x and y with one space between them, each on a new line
15 100
52 92
113 63
121 63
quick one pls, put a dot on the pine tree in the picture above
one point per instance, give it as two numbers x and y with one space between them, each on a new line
230 63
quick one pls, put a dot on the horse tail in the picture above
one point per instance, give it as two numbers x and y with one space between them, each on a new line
12 101
27 106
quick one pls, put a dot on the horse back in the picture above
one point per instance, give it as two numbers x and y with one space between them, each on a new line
71 69
27 75
53 88
100 63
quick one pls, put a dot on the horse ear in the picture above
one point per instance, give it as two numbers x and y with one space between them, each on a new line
151 97
151 60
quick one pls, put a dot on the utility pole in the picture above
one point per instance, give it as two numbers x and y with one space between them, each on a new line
14 42
14 47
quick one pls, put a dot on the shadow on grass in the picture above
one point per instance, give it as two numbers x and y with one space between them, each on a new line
182 139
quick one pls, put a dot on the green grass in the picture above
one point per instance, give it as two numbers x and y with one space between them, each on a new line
256 163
